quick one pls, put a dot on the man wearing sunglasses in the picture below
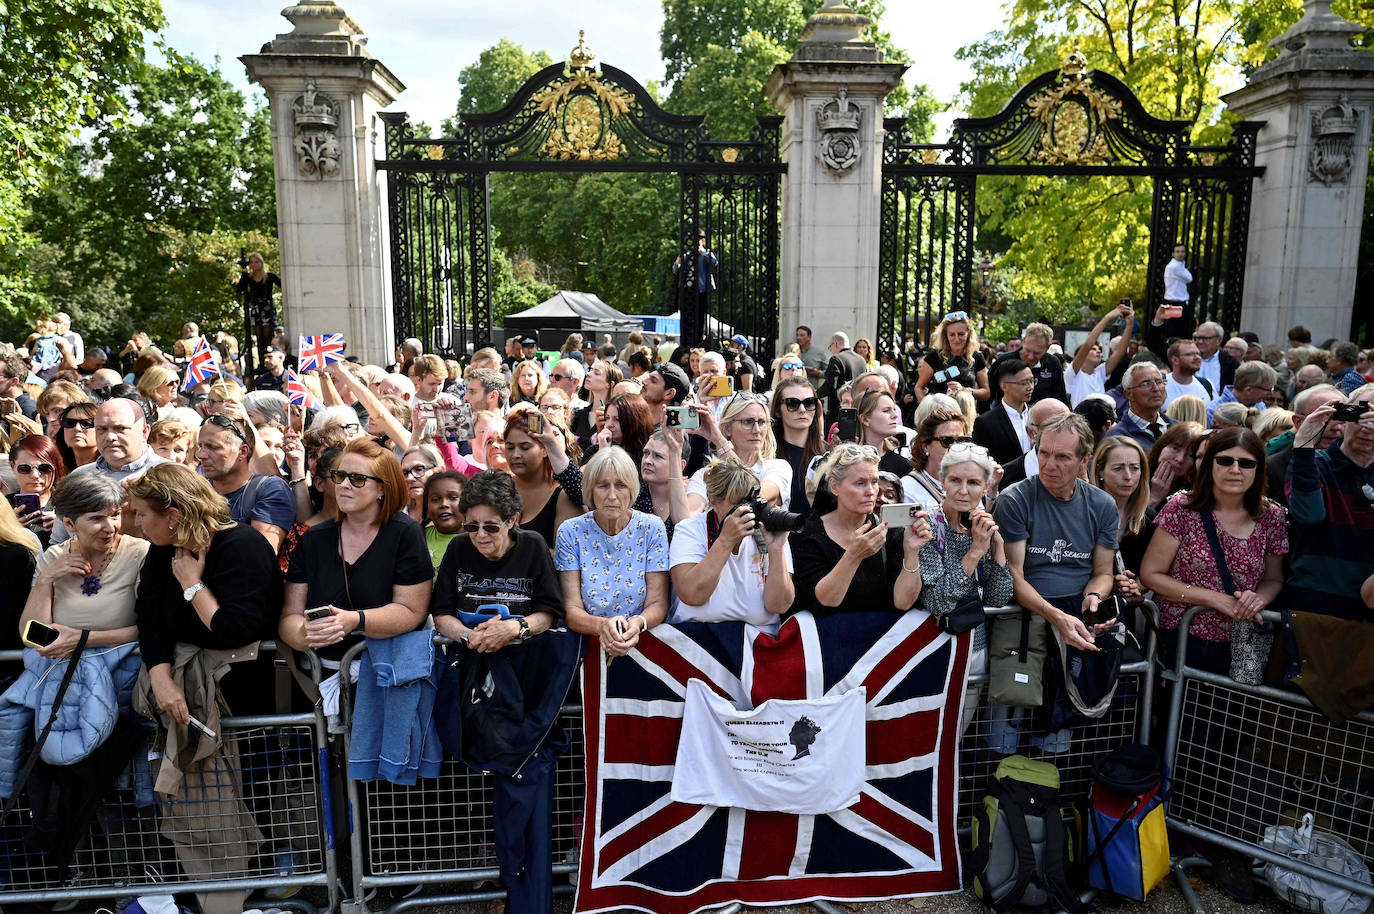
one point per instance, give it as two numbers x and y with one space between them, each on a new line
224 452
121 440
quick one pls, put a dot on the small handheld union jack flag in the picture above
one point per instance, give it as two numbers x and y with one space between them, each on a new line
297 393
202 366
318 352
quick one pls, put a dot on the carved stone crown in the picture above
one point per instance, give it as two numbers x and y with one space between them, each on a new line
315 110
1338 120
839 114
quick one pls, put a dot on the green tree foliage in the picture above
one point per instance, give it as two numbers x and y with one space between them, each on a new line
61 65
143 223
1076 244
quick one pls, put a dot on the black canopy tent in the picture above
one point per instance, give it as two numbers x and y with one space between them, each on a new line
551 321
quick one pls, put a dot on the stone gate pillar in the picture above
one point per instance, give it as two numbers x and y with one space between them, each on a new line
831 94
325 90
1316 98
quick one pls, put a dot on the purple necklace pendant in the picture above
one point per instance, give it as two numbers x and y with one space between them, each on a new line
91 586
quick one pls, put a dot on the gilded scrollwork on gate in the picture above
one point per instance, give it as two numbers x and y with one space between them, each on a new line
583 109
1073 116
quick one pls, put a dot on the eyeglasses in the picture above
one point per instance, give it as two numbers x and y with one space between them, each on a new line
559 377
1202 337
1029 382
796 405
419 470
356 480
949 441
553 408
791 366
1150 384
73 422
225 422
1268 390
351 428
1246 463
28 469
489 527
966 446
750 423
957 316
850 449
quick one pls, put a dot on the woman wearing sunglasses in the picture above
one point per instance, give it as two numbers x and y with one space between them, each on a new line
369 566
799 429
38 465
76 440
788 367
1180 565
939 431
954 362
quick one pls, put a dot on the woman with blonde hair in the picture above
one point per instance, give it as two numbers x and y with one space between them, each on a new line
955 362
1234 415
1187 408
56 397
743 430
1271 423
837 566
613 561
18 550
527 383
159 384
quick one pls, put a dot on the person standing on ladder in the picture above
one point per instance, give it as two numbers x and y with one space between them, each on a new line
706 280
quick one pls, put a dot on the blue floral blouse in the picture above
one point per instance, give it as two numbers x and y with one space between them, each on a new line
613 568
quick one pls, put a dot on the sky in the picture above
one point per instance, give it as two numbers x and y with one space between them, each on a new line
427 42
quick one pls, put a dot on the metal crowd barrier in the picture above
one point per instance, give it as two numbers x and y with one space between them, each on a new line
1248 757
1128 720
440 832
130 847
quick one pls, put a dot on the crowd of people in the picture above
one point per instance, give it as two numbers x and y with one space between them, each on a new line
604 490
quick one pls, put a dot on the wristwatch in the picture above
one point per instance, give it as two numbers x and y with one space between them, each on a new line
189 593
362 621
525 632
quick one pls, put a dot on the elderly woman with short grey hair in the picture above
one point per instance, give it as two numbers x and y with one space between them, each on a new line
613 561
266 406
89 582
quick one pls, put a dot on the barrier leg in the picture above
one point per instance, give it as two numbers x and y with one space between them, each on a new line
1180 869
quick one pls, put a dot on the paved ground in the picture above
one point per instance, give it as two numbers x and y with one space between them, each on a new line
1165 899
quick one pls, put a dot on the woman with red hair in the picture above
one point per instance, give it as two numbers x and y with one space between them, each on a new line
37 463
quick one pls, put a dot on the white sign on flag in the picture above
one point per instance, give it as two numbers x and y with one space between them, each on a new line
804 757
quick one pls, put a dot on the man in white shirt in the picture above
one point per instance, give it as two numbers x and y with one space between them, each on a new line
1176 278
1089 371
1185 360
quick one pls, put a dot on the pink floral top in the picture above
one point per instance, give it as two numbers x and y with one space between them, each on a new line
1193 563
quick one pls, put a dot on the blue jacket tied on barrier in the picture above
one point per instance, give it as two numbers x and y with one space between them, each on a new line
393 736
99 692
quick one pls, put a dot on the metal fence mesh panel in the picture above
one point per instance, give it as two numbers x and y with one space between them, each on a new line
444 824
131 841
1118 727
1246 761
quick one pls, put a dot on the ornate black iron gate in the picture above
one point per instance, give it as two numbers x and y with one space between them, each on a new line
1067 123
578 117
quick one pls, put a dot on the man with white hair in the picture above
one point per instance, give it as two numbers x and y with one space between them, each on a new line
1145 390
64 330
1304 405
1236 347
844 366
1218 367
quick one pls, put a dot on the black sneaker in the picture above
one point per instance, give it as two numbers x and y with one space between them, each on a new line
1231 875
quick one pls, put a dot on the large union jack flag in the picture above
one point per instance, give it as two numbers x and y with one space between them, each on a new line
641 850
202 366
318 352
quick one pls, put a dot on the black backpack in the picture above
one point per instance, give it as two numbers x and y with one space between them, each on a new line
1026 841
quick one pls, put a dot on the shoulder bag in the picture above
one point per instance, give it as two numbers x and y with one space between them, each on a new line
1250 641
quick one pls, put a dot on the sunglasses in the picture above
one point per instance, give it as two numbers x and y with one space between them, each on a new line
750 423
489 527
419 470
957 316
791 366
72 422
225 422
796 405
557 377
949 441
850 449
356 480
27 469
1246 463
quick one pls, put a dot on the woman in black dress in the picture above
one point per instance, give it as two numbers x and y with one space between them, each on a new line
954 362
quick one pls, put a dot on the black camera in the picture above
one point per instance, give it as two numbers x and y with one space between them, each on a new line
1349 412
770 518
